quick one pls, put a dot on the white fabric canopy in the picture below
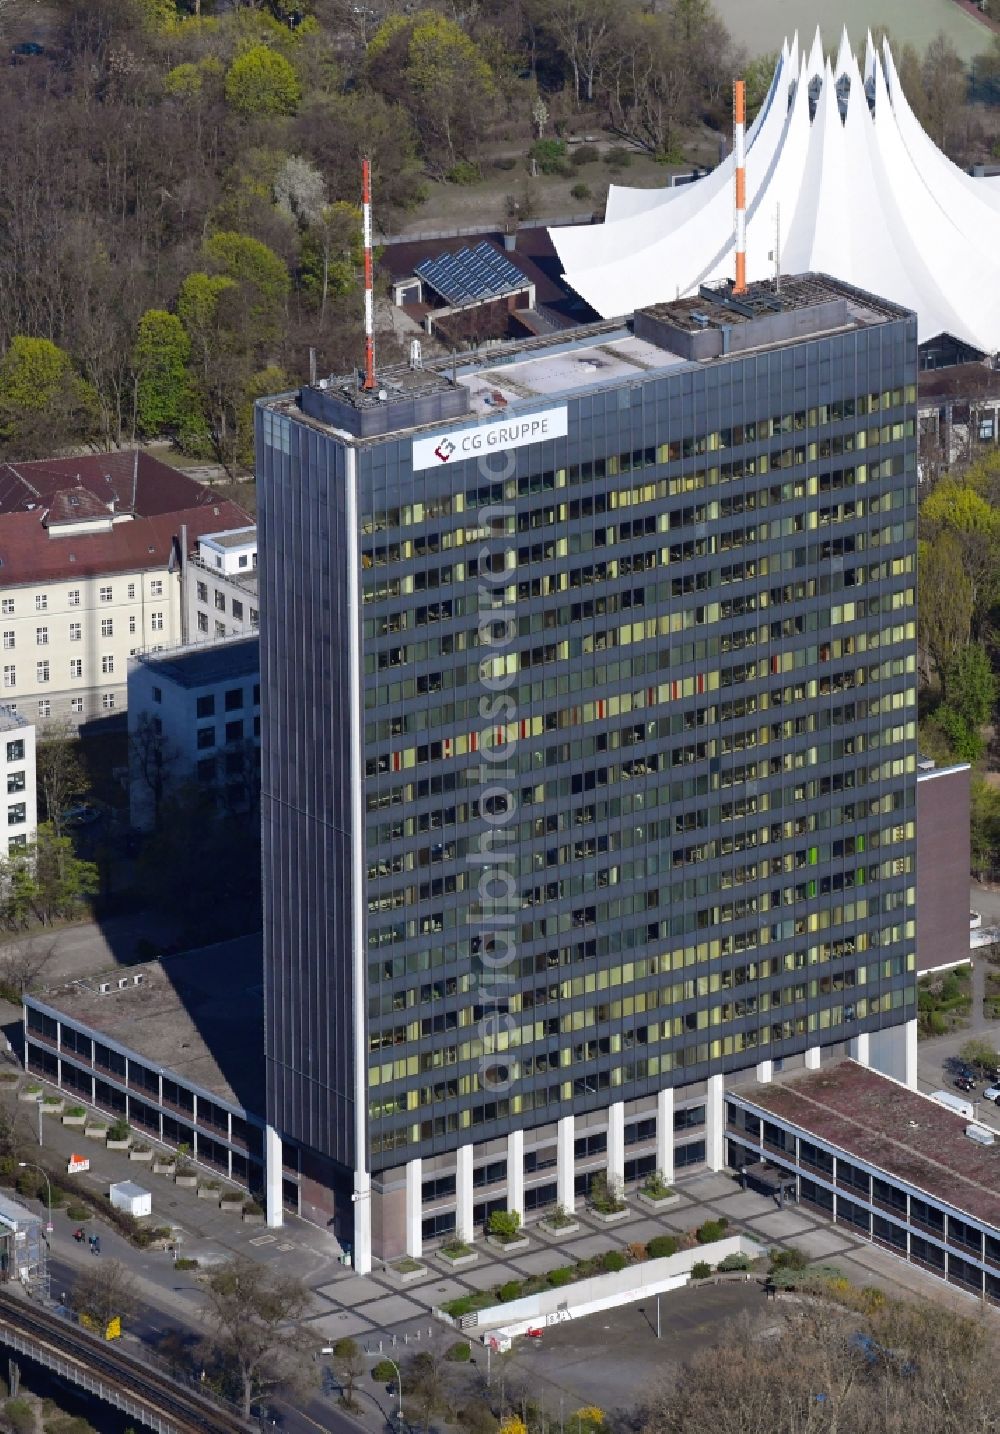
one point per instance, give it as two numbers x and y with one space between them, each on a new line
839 167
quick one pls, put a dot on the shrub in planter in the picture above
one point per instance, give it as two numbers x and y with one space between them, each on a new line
654 1187
637 1251
455 1249
251 1207
185 1263
561 1276
559 1218
504 1225
790 1259
734 1262
459 1353
120 1130
613 1261
76 1111
510 1291
606 1194
701 1270
711 1231
662 1246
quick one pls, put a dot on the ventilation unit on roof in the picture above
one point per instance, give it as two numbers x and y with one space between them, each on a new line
104 987
122 982
980 1134
138 979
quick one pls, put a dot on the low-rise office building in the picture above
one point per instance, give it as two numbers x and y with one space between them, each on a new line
19 813
895 1166
194 716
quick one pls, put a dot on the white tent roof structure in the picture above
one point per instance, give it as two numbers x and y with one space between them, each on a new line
839 167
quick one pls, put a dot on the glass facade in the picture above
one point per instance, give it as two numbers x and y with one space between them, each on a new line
680 644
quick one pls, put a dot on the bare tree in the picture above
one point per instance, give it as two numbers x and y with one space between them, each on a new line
151 760
22 962
103 1290
61 774
349 1364
256 1317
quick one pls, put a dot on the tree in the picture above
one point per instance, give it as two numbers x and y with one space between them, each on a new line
440 76
349 1365
262 82
957 507
62 778
945 609
255 1314
61 879
981 1054
970 686
164 392
581 29
259 274
104 1290
43 401
22 961
426 1386
300 190
151 761
331 253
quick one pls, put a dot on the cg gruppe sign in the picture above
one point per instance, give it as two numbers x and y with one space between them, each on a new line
457 444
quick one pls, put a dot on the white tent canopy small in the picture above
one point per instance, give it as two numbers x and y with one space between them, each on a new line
841 179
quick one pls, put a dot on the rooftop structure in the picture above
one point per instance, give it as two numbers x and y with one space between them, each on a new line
841 178
205 664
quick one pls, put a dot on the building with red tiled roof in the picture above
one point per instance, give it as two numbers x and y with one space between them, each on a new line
91 557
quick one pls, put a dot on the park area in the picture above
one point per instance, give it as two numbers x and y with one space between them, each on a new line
761 25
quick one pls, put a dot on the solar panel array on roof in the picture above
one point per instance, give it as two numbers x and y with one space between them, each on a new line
471 274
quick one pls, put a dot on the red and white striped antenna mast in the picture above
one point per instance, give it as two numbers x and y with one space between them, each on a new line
366 210
740 158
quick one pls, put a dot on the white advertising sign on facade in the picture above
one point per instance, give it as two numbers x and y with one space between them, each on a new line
457 444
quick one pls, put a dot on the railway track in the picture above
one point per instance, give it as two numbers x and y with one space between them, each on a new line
146 1394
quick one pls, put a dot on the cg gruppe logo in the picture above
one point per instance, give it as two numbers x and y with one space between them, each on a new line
516 430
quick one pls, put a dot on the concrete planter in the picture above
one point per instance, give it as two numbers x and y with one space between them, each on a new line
509 1247
146 1155
30 1097
461 1262
609 1217
208 1192
407 1275
80 1120
53 1107
559 1232
164 1167
96 1132
119 1144
231 1207
253 1219
186 1182
652 1203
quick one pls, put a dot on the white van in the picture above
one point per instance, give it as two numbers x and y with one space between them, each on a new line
954 1102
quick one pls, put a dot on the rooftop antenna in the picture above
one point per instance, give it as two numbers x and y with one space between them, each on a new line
777 249
739 154
366 210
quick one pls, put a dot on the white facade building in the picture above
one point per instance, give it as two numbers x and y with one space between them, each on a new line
19 809
91 552
194 717
841 180
220 586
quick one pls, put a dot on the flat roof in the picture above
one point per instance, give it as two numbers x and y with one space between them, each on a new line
205 664
888 1126
198 1016
567 362
232 537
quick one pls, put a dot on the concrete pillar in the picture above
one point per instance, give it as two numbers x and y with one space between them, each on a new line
463 1192
665 1133
765 1072
715 1123
272 1177
910 1058
812 1058
859 1048
515 1172
565 1164
361 1250
414 1208
616 1144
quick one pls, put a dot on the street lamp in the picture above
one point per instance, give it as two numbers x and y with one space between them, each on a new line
399 1381
30 1165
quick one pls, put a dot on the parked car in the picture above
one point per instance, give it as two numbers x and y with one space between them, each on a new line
27 50
992 1092
963 1082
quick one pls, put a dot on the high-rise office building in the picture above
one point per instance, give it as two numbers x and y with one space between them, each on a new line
589 750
